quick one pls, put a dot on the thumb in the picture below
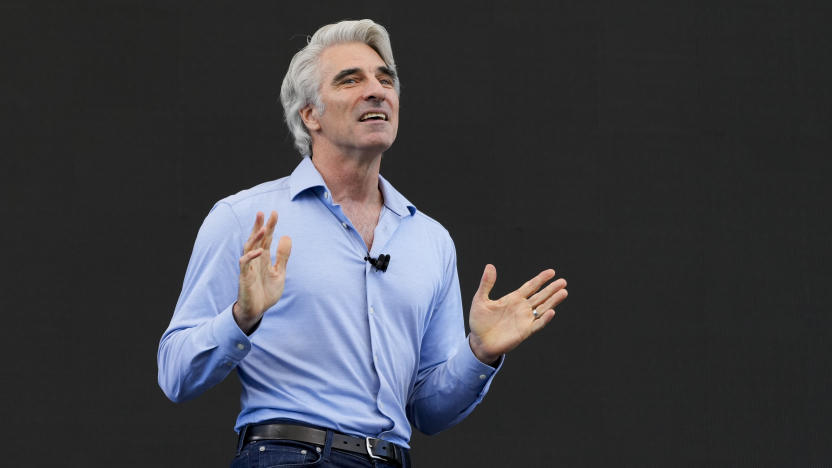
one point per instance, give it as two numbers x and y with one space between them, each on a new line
489 277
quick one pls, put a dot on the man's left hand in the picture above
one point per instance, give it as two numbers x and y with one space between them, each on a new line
498 326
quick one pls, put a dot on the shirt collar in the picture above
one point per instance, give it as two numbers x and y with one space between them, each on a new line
306 177
395 200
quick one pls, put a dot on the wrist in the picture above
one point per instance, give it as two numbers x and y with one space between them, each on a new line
480 353
247 325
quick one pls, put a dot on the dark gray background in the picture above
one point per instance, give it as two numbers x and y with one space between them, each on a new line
670 159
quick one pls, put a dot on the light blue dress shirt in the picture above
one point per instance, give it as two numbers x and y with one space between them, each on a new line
347 347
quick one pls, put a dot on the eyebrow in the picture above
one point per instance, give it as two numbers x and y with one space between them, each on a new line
345 73
349 71
388 72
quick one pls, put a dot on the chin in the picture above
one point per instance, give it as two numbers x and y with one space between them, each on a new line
378 145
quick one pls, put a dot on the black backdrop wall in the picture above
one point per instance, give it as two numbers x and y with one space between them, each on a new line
669 158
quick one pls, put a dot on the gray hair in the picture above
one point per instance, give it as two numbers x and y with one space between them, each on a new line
301 85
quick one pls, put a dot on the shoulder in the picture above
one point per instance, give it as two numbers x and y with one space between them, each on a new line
268 191
431 225
415 218
263 197
235 211
433 234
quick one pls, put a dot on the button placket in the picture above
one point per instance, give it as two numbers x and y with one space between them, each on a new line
341 219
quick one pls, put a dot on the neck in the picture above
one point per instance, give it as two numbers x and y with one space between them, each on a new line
350 178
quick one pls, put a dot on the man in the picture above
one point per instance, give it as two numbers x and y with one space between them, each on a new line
350 328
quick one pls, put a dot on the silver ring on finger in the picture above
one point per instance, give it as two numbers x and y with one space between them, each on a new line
534 312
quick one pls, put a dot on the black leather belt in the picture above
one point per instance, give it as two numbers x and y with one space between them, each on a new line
376 449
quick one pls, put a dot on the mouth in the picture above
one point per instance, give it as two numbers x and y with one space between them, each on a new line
373 116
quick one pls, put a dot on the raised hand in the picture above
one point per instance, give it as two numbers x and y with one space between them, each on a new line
261 283
498 326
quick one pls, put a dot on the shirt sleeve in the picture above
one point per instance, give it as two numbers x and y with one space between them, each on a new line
203 343
451 381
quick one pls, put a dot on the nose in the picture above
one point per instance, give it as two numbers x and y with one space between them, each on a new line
374 91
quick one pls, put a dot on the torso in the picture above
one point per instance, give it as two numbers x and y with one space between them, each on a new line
364 218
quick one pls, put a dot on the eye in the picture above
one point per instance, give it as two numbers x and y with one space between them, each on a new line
386 81
349 81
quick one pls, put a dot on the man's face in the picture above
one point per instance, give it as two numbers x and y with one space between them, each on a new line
361 107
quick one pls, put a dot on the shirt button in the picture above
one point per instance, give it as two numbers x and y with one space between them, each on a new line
372 311
345 225
241 346
482 376
326 195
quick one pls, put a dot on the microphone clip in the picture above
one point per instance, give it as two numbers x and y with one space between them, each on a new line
379 263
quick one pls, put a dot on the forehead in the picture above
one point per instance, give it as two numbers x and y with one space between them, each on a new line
349 55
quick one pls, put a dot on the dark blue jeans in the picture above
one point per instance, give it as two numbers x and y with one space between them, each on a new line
287 453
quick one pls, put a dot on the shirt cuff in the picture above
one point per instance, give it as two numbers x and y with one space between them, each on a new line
473 373
228 336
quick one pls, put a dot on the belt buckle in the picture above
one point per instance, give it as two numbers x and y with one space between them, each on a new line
370 449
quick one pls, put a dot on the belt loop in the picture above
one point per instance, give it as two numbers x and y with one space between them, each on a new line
327 445
241 439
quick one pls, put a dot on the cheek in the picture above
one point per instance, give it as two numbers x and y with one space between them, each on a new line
335 111
396 123
395 107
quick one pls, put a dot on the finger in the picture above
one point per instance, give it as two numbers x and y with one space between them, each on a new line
284 248
554 300
258 222
544 320
254 239
489 277
541 296
246 259
532 285
270 224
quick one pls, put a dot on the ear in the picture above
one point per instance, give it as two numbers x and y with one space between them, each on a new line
310 118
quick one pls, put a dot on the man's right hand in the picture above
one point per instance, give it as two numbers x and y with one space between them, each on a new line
261 283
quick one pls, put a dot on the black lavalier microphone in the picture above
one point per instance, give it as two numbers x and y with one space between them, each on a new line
379 263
